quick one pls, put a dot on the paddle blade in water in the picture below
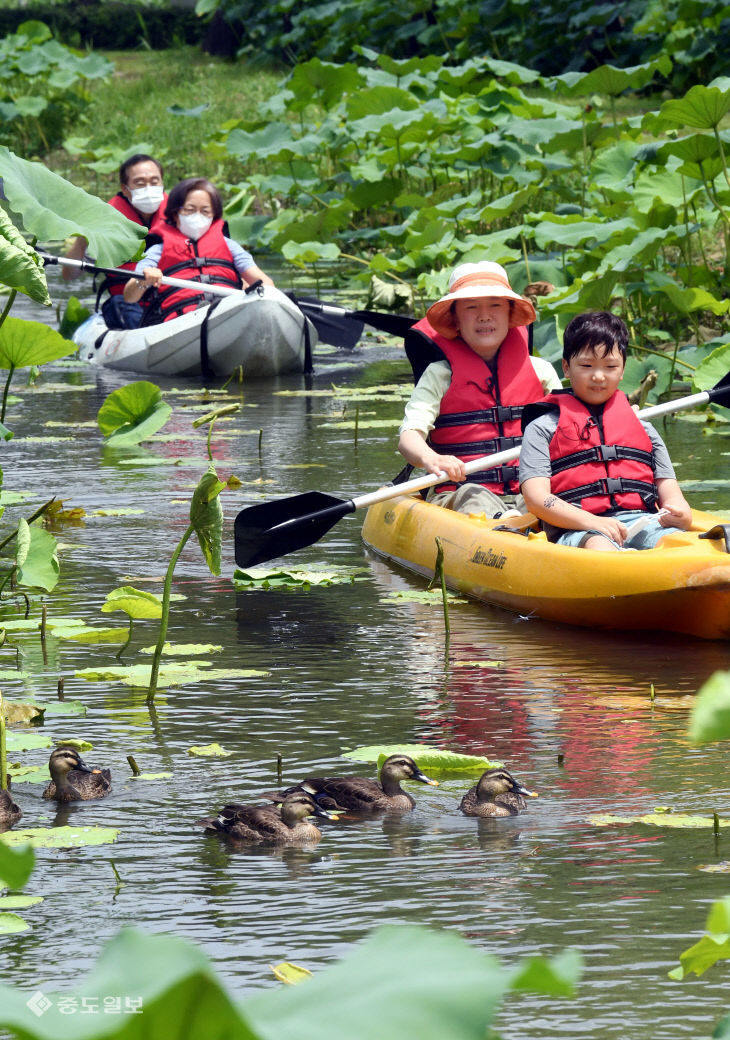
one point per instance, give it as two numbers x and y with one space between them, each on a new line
339 330
272 529
720 392
395 324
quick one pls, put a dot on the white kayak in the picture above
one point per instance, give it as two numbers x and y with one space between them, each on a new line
263 332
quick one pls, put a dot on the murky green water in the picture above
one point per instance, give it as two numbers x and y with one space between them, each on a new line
347 667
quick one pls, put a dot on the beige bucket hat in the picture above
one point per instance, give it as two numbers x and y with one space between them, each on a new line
470 281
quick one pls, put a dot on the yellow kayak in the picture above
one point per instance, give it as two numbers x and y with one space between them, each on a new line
683 585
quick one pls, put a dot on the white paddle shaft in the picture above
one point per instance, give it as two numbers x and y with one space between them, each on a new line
500 457
177 283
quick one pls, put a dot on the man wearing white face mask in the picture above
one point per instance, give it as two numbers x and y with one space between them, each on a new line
190 244
141 199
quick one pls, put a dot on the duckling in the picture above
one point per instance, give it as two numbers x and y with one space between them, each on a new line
268 825
496 794
361 794
72 780
9 812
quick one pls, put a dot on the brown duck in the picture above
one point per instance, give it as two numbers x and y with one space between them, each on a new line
287 825
9 812
360 793
72 780
496 794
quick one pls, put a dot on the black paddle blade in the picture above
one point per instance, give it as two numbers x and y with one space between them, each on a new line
339 330
395 324
720 393
273 529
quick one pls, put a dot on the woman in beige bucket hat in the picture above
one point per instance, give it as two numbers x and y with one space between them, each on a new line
470 403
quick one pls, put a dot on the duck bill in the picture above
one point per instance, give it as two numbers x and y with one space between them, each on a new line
82 767
325 814
527 794
425 779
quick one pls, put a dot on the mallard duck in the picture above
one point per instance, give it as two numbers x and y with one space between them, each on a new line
9 812
72 780
496 794
361 794
266 825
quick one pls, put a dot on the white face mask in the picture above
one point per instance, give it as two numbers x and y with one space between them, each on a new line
194 225
147 199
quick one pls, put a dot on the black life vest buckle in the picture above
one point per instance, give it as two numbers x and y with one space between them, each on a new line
614 485
608 452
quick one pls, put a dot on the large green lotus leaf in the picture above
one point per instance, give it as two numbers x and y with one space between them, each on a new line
594 294
404 980
177 674
710 716
687 299
426 757
712 947
20 267
60 837
26 741
136 604
273 142
16 865
206 516
701 107
209 751
574 231
12 923
640 251
607 79
18 902
36 557
132 413
24 343
51 209
677 821
303 253
713 368
696 148
179 997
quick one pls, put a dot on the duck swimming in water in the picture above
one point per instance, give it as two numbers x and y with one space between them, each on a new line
496 794
360 793
9 812
266 825
72 780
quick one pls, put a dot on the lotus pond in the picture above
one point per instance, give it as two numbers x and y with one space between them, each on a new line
595 722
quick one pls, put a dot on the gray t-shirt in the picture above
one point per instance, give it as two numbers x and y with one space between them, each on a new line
535 455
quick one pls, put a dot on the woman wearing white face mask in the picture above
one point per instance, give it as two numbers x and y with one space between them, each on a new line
190 244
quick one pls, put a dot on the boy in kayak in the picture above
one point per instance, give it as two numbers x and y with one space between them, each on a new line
470 403
593 472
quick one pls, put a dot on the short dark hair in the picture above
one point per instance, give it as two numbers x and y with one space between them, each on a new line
132 161
176 198
592 331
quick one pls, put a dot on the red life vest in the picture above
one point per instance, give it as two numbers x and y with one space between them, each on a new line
115 283
480 412
601 463
209 260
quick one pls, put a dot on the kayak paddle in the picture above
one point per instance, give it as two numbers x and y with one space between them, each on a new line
272 529
335 325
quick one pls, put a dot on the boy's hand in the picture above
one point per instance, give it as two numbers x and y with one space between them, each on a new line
679 514
607 525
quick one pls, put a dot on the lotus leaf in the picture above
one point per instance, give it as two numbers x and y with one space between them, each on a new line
17 741
25 343
427 757
36 557
19 265
177 674
136 604
59 837
16 865
12 923
291 974
710 716
206 518
661 819
44 201
19 902
711 948
209 751
16 712
132 413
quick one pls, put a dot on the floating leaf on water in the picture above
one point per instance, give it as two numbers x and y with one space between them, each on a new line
306 465
368 424
29 774
658 819
26 741
275 578
16 866
723 867
151 776
427 758
135 603
75 742
477 664
177 674
421 596
710 718
116 512
11 923
19 902
212 750
185 649
60 837
6 674
91 634
14 711
289 973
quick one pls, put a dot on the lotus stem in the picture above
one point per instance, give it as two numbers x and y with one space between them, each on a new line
716 825
261 438
438 575
278 767
155 670
34 516
133 765
3 753
124 645
357 422
651 693
7 382
59 689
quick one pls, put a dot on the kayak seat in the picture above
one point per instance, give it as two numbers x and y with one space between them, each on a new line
719 531
522 524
